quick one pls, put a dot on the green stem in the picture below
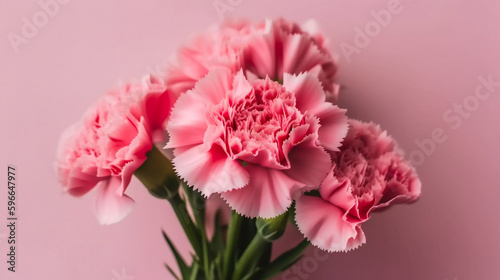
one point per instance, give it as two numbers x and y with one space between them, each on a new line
206 266
233 234
187 224
197 203
158 176
250 257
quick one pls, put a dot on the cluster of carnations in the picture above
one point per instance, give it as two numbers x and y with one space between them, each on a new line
246 112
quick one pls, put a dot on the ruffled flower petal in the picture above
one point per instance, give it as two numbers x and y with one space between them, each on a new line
309 163
324 225
268 194
369 174
311 99
187 127
110 205
269 48
210 170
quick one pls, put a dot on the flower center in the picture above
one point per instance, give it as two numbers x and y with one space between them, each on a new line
257 125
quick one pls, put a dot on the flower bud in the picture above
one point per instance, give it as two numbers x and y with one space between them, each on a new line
273 228
158 176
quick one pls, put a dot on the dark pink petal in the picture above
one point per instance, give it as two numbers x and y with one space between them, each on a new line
79 182
262 58
156 106
136 154
309 163
403 184
301 55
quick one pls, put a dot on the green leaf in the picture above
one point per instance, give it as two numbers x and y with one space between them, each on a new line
283 262
250 274
197 203
266 255
172 272
250 258
194 271
180 261
191 230
218 265
247 234
217 242
233 240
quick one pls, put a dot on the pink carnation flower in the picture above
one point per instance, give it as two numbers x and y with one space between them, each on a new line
219 46
285 47
369 173
110 143
270 48
257 143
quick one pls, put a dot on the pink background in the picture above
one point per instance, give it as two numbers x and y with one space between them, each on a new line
427 58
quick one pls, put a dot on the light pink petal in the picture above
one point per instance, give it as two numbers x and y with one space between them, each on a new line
241 87
323 224
308 91
334 126
191 64
214 86
178 82
311 100
187 123
209 171
111 207
267 195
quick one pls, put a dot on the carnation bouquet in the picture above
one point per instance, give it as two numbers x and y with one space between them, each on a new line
246 113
